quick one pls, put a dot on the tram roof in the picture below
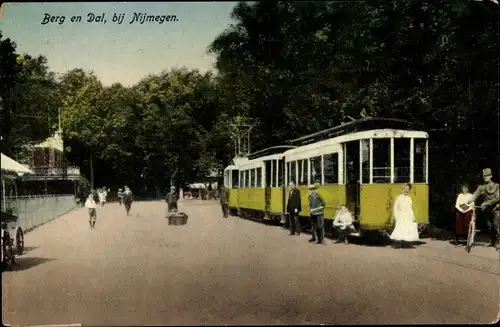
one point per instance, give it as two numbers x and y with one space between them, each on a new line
359 125
270 151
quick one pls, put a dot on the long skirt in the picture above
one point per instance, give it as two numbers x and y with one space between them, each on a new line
405 230
462 221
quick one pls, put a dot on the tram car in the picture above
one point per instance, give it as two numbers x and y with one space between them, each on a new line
261 184
232 183
362 164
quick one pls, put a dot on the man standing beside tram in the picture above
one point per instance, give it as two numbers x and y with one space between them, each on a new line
293 208
490 193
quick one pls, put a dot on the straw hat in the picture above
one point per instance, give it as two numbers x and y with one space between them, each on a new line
487 172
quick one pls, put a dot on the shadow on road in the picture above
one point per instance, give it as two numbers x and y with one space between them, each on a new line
441 234
27 263
375 239
29 248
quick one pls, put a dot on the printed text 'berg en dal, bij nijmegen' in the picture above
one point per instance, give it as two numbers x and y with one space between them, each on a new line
117 18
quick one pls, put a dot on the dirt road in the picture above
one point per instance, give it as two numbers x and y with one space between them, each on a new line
138 270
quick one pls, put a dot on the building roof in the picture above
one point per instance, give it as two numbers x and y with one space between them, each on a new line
352 127
10 165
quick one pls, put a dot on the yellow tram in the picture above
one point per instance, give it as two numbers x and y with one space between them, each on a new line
362 164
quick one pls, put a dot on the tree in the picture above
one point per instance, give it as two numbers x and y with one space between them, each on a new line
29 97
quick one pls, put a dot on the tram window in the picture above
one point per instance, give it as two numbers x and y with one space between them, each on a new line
242 179
252 177
281 173
269 177
300 169
381 160
401 160
419 160
305 168
331 168
274 182
247 178
365 160
315 164
234 179
293 176
259 177
288 173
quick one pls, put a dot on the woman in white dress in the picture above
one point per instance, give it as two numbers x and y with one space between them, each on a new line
406 229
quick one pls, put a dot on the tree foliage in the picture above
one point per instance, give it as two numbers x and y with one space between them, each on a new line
29 98
293 68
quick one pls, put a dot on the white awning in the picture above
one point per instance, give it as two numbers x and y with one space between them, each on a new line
9 164
197 185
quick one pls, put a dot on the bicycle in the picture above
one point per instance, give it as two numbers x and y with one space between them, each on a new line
472 230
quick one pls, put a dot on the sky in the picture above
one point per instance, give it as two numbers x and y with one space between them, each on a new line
122 53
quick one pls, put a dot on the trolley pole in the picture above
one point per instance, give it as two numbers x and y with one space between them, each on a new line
238 129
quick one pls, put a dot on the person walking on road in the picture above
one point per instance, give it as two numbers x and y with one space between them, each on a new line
91 205
171 199
490 207
102 197
293 208
120 196
406 229
127 199
223 201
316 212
463 214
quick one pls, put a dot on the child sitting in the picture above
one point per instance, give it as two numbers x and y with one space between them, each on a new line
344 224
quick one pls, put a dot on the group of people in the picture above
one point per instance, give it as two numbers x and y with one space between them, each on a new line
403 217
490 207
343 222
100 196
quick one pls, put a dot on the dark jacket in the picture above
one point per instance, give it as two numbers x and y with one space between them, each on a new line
294 202
223 196
128 197
316 201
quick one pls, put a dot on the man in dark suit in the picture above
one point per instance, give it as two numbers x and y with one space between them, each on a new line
171 198
293 208
223 201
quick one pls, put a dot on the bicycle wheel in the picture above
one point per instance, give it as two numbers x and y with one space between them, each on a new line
470 236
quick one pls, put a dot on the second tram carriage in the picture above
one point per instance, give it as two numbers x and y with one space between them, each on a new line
362 164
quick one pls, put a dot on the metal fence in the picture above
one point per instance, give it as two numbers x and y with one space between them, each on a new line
36 210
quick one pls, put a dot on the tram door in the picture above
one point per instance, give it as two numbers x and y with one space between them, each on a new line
352 176
268 185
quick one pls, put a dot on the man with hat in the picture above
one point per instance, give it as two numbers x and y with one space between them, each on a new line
489 191
223 201
127 199
316 211
293 207
171 199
